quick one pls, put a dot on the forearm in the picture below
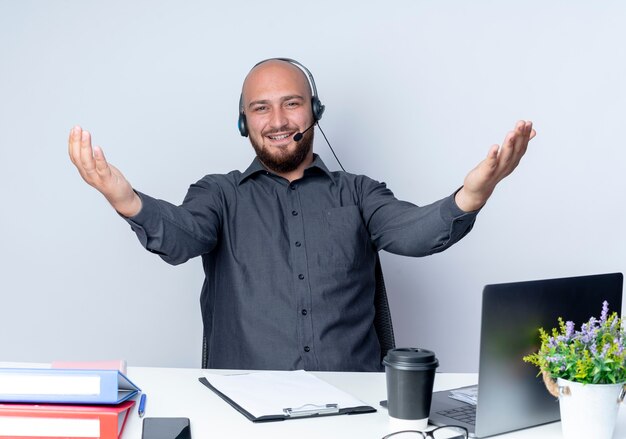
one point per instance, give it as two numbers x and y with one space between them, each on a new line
170 231
419 231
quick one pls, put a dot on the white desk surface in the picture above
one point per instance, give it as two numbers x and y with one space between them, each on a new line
178 393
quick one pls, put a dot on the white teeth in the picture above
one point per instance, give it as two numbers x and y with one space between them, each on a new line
284 136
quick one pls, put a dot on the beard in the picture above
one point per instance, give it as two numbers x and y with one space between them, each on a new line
284 161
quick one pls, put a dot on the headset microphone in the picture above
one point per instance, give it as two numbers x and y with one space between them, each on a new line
298 136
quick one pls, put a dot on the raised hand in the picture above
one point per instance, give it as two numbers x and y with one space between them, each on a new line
103 176
500 162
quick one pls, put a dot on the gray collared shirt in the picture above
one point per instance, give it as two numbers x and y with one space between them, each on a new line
290 266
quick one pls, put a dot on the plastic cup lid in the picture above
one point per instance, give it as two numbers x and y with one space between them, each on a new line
411 359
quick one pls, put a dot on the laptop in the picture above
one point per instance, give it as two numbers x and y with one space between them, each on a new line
510 395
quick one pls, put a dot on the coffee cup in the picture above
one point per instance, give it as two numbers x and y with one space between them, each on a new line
410 374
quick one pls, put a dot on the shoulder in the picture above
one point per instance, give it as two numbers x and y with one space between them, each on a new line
230 179
357 181
214 188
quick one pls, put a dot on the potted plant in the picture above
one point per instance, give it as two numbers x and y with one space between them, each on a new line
586 370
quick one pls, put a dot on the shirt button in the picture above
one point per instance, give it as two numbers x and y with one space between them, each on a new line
301 276
298 244
294 213
292 187
304 312
307 349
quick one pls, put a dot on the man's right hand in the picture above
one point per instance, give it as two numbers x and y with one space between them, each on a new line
103 176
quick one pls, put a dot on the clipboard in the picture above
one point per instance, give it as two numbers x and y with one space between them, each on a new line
255 395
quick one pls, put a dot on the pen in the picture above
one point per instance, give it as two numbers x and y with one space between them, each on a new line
142 405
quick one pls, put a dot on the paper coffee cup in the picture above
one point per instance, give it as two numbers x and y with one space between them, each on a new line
410 374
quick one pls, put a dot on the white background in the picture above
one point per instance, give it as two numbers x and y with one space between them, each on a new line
415 91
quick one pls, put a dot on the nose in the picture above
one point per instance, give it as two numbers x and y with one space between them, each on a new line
279 118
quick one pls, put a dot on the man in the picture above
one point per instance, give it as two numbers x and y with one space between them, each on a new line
289 247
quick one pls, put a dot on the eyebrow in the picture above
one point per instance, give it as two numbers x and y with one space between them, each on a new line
282 99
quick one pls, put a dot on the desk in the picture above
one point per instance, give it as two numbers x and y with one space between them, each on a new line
177 392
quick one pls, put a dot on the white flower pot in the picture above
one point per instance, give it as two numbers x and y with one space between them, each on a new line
588 410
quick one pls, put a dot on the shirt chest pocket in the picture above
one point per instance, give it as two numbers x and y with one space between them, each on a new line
346 239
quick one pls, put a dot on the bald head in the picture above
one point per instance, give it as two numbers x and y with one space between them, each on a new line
272 76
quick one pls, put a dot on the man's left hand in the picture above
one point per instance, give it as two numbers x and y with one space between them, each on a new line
500 162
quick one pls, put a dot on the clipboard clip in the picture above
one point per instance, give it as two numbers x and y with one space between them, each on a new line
311 410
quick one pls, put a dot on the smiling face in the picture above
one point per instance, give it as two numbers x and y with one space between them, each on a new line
277 105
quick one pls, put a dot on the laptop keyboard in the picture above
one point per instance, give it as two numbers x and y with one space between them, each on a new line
465 414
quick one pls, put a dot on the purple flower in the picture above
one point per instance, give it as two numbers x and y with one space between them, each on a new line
605 311
588 332
585 336
569 329
553 359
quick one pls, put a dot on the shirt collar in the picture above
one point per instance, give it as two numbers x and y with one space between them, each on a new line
256 167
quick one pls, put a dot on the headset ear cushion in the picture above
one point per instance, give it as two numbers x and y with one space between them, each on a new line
317 107
242 125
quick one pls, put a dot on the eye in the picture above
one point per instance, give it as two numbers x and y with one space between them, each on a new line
292 104
259 108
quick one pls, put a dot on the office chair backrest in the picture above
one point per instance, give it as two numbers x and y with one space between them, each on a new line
382 319
205 351
382 316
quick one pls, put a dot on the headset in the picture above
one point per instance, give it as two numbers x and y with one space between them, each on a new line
316 105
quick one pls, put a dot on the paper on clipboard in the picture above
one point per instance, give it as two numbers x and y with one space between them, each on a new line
273 393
